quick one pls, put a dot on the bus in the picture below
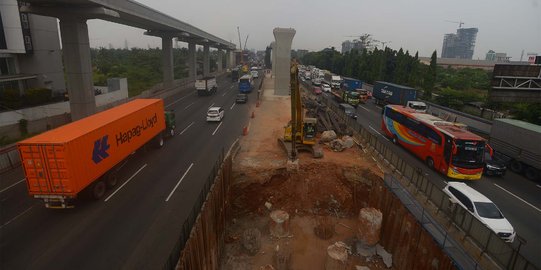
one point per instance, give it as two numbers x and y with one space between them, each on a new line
246 84
444 146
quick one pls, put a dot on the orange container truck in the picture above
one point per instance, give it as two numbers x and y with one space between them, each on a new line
61 163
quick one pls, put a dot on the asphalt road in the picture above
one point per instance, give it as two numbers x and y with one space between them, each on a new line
518 198
136 224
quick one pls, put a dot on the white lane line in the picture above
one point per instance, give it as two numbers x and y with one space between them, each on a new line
180 180
216 129
16 217
232 106
231 87
539 186
186 128
127 181
376 131
365 108
20 181
189 106
223 95
211 105
176 101
520 199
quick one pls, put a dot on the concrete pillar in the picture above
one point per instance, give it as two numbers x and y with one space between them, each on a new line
228 59
206 60
273 60
282 64
192 67
167 61
219 61
76 53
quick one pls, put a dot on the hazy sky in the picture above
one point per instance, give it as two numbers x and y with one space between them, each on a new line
508 26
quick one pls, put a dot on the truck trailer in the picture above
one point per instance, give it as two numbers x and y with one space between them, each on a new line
520 141
85 155
389 93
206 86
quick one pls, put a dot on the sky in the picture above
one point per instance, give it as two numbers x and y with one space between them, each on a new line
507 26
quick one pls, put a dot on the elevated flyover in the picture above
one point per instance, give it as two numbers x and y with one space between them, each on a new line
73 15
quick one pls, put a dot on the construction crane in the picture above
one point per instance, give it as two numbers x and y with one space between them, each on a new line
245 41
383 43
300 131
460 23
240 46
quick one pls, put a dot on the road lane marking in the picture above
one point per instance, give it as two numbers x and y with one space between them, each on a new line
176 101
538 210
376 131
232 106
211 105
127 181
186 128
217 128
20 181
16 217
365 108
539 186
189 106
231 87
223 95
178 183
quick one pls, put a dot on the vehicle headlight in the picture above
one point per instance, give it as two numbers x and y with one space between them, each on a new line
492 167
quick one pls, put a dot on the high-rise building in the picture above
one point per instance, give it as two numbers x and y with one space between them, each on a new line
30 55
497 57
349 45
459 45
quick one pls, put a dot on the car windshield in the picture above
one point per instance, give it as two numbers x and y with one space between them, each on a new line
213 111
469 154
418 107
488 210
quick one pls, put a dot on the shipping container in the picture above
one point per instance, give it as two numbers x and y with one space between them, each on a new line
351 84
390 93
62 162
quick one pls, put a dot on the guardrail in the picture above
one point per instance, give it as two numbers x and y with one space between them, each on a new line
505 255
9 158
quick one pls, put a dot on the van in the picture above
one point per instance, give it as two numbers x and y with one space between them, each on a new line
349 110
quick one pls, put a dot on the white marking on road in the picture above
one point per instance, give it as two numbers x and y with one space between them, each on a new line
539 186
376 131
16 217
364 108
20 181
231 87
127 181
216 129
186 128
180 180
189 106
211 105
232 106
223 95
176 101
520 199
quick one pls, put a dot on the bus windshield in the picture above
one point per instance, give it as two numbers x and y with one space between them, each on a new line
469 154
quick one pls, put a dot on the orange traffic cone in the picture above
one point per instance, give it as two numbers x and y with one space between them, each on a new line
244 131
253 114
257 104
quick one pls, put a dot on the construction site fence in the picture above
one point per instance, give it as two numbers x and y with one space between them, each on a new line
200 244
505 255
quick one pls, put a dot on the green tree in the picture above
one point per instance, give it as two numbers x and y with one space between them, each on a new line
430 77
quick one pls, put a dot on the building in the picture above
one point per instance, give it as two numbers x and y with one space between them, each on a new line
497 57
460 45
349 45
30 54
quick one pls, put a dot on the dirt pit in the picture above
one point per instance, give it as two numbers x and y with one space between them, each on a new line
319 199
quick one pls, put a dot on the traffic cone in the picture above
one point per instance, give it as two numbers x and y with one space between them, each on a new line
257 104
244 131
253 114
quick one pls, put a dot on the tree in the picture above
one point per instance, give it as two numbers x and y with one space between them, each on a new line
430 77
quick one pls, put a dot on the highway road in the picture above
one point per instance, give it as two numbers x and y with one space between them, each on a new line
136 224
518 198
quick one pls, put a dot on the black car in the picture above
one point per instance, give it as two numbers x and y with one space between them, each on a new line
241 98
495 164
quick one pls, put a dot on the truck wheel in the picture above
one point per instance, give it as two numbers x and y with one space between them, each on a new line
98 190
531 173
430 162
516 166
111 180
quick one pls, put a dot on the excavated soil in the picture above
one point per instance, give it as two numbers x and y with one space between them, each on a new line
319 193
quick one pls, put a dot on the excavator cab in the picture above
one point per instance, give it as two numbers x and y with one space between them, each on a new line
309 131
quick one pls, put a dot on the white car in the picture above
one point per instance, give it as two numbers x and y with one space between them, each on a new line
325 87
254 74
481 208
215 114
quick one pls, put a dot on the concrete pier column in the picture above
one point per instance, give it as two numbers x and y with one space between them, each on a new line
273 60
228 59
192 67
220 60
77 63
284 38
206 60
167 61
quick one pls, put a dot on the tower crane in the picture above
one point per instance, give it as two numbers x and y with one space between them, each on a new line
246 40
460 23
